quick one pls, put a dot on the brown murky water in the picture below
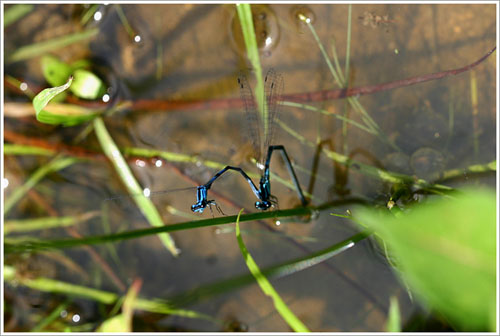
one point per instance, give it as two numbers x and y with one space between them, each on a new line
193 52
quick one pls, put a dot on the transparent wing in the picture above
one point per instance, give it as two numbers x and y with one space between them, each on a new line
252 126
147 193
273 89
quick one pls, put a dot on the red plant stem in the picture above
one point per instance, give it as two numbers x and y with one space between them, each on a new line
236 103
318 96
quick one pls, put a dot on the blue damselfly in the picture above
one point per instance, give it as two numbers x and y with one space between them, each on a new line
257 122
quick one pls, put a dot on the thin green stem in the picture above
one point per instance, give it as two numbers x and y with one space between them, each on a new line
148 209
37 49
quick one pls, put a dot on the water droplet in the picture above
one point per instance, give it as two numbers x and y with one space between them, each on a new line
266 29
158 163
23 86
137 38
5 183
105 98
64 313
76 318
278 223
302 14
97 16
146 192
140 163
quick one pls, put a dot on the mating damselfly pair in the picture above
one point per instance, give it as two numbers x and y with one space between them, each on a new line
257 122
259 126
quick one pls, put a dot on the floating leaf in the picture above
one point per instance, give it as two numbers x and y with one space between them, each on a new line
446 252
87 85
56 114
66 114
55 71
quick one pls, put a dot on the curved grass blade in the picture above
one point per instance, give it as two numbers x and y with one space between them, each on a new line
285 312
148 209
275 272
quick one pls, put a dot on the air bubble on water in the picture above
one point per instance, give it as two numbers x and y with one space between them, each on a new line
97 16
76 318
5 183
140 163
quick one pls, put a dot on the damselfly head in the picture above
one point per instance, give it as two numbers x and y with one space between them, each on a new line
263 205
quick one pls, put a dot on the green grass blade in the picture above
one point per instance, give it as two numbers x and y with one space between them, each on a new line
348 48
14 13
55 286
88 14
370 123
133 234
14 149
276 271
54 315
123 19
41 48
285 312
27 225
373 171
56 164
147 207
325 112
393 324
246 22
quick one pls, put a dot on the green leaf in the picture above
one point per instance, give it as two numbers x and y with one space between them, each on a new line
55 71
446 252
56 114
43 98
268 289
66 114
87 85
